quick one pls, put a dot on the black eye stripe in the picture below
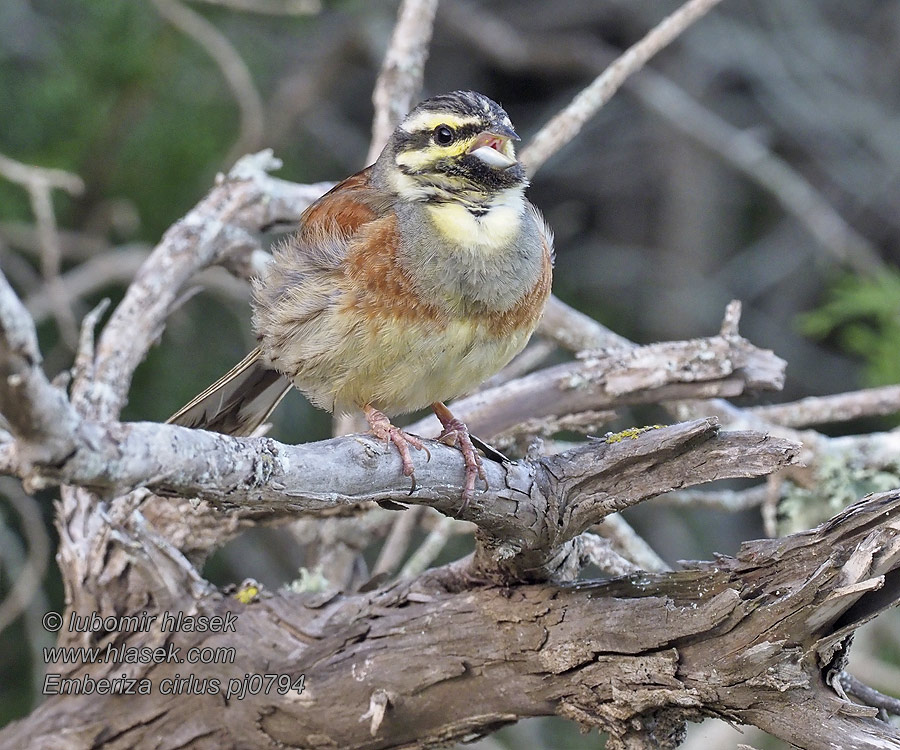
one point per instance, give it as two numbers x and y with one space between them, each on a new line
465 131
421 138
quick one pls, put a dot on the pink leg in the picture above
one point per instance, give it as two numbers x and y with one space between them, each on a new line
456 433
382 428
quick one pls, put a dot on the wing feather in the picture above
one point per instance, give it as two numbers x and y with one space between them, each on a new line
238 402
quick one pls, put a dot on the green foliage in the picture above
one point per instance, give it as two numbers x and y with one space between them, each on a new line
863 314
121 99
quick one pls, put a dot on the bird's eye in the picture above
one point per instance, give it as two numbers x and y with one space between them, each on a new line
443 135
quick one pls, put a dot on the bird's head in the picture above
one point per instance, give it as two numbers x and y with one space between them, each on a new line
455 146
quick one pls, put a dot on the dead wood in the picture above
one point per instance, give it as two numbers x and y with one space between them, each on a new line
758 638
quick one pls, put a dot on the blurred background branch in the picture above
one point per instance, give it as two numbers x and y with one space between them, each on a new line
757 157
233 69
271 7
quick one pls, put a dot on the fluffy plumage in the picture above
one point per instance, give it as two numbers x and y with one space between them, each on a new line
408 284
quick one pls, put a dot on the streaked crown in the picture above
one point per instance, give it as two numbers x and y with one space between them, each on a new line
455 146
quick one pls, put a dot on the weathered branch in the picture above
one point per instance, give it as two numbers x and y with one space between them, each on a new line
841 407
751 638
38 413
543 504
719 366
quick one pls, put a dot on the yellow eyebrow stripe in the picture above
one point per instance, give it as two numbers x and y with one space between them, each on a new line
422 157
429 120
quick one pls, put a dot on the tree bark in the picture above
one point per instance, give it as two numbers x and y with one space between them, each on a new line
756 639
461 650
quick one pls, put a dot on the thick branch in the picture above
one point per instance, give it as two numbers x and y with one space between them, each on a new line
719 366
542 505
749 638
37 412
589 483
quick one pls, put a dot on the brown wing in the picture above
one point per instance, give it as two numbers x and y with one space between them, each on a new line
309 274
300 282
238 402
343 209
305 273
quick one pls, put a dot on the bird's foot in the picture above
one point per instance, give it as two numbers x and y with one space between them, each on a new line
382 428
456 433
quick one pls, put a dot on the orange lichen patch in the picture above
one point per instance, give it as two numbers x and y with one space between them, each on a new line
346 207
378 284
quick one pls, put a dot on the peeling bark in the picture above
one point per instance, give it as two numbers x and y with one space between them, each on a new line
749 638
460 650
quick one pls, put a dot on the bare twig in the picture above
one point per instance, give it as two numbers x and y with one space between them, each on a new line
272 7
871 402
74 245
585 423
84 356
730 500
27 583
627 543
869 695
564 126
400 80
575 331
397 542
39 183
114 267
598 550
119 267
233 68
430 548
715 734
40 177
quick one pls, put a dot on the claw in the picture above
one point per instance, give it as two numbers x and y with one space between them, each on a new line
456 433
382 428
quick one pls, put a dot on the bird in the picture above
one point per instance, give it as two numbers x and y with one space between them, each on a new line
406 285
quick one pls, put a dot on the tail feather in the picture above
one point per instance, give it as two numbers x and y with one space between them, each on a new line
238 402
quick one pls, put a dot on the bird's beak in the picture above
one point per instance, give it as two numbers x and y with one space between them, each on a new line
493 147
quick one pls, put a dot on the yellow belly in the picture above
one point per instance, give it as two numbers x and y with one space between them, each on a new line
399 368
